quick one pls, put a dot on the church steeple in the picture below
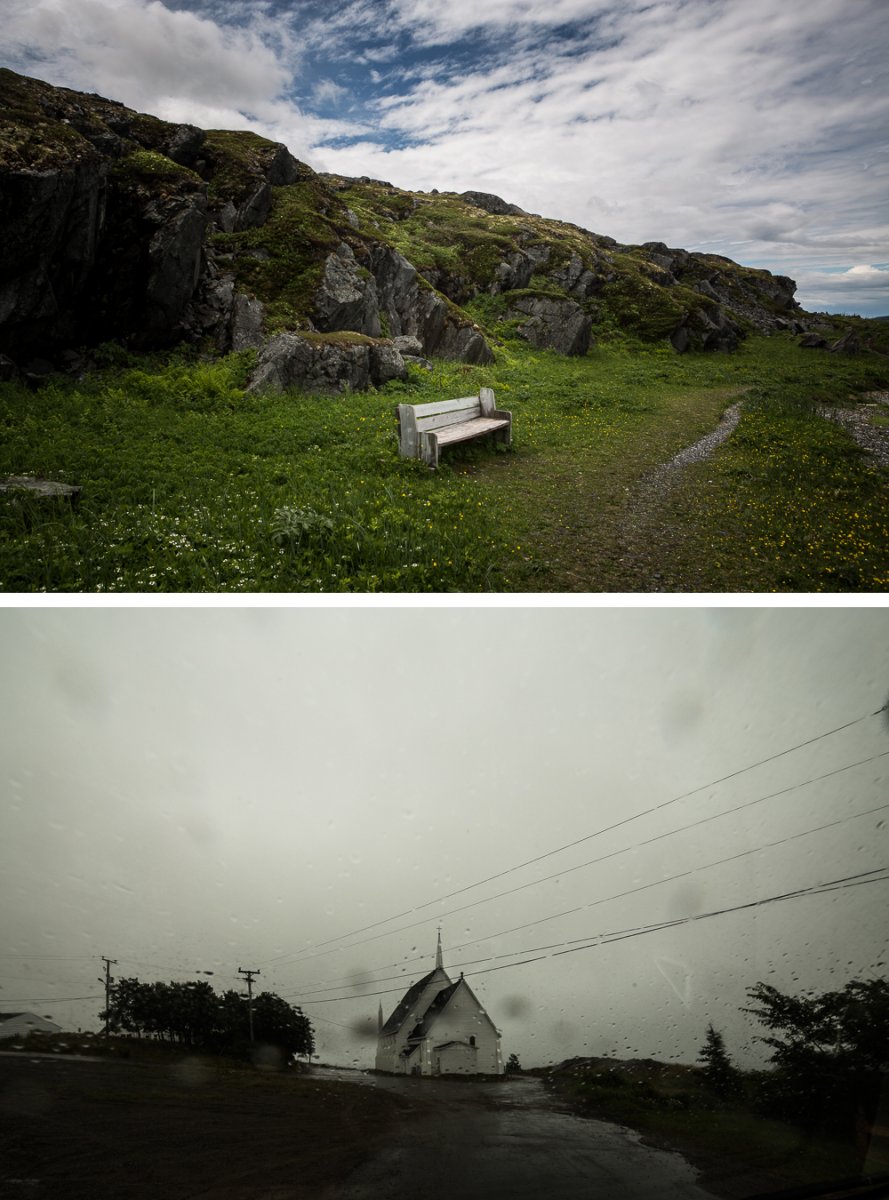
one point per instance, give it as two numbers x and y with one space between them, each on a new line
438 963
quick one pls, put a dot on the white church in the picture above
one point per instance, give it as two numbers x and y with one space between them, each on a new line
439 1028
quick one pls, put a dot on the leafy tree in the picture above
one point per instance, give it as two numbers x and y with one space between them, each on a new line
719 1072
279 1023
513 1064
828 1050
193 1014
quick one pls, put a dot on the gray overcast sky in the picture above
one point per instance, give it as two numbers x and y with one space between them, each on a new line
749 128
203 789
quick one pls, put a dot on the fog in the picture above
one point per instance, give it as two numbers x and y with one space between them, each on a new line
296 790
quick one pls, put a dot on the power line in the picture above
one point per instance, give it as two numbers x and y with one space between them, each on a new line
642 888
602 858
48 999
818 889
68 958
578 841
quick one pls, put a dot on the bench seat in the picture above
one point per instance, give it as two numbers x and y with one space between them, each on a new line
425 428
469 429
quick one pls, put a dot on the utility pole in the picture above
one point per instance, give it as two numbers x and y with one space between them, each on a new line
107 981
249 975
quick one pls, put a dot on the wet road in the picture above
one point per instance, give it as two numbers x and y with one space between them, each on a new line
485 1141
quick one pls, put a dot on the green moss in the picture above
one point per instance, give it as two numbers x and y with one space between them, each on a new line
148 166
297 238
342 337
649 310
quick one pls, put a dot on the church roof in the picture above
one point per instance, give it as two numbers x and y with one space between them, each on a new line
410 998
438 1003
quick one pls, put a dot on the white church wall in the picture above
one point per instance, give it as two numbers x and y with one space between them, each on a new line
461 1021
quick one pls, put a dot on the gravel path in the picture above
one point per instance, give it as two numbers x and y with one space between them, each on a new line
653 488
645 537
857 421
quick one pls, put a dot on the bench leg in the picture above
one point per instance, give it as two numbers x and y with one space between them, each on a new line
428 449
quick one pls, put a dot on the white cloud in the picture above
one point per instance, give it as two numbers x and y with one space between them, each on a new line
865 276
328 92
863 289
144 53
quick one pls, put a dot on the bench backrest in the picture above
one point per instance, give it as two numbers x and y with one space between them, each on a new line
415 419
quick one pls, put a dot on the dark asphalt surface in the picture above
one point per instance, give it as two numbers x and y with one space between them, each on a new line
514 1144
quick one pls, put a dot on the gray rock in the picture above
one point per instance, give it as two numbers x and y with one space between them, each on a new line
465 343
291 362
284 168
847 344
255 209
175 256
245 323
41 489
386 363
539 253
491 203
577 280
554 324
419 312
680 339
706 329
812 341
185 145
347 298
397 285
407 344
512 274
227 217
52 223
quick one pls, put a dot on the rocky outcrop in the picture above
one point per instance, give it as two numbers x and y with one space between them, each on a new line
491 204
115 225
309 363
347 297
579 281
553 323
412 308
706 329
513 274
388 293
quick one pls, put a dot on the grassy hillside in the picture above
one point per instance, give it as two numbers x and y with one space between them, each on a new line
189 485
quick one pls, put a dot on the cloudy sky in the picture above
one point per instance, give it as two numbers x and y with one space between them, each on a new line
749 128
313 791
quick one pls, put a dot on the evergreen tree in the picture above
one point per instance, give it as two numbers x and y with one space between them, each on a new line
719 1072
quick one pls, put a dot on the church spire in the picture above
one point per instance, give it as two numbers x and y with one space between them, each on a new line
380 1017
438 963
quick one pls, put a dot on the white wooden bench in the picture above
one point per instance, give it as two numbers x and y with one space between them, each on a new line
424 428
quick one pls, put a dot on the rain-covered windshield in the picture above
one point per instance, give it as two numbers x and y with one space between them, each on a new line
477 902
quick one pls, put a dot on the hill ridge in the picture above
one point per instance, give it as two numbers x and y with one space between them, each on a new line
116 225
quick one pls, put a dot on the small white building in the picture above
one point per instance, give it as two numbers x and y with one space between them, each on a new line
20 1024
439 1028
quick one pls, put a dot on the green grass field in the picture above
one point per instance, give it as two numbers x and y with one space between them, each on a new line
191 486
